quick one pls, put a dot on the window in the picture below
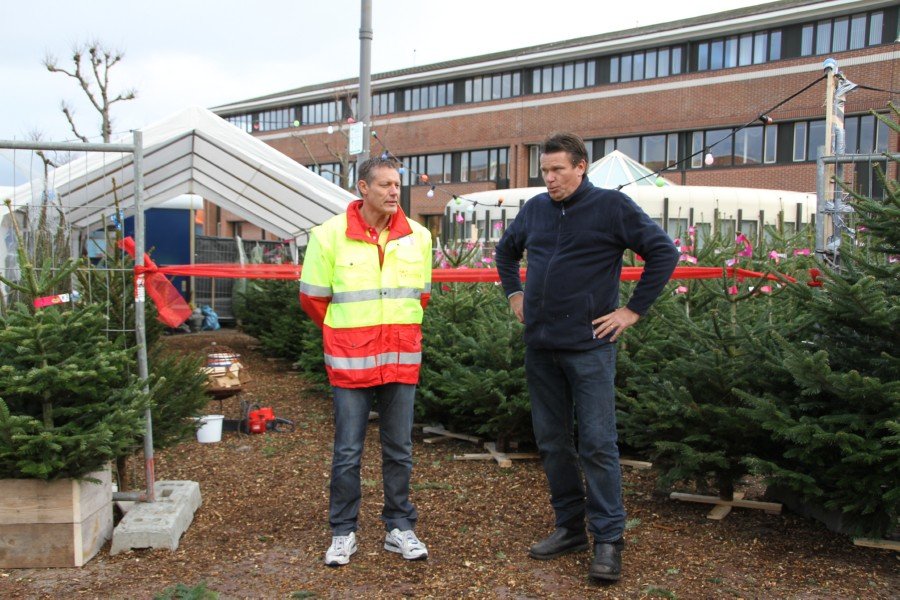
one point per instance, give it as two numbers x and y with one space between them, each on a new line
760 47
840 35
703 57
816 139
653 154
720 144
806 41
876 23
799 141
775 45
534 162
696 149
771 144
857 31
676 60
746 50
748 146
731 52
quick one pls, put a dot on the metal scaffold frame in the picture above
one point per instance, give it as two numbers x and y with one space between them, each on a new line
136 149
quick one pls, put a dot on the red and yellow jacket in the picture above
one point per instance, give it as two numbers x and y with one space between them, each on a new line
368 301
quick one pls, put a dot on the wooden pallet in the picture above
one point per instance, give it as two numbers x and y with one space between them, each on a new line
723 507
504 459
875 543
443 435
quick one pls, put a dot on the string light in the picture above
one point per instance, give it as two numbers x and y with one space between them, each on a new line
330 129
658 180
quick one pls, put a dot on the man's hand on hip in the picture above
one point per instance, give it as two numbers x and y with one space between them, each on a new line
614 323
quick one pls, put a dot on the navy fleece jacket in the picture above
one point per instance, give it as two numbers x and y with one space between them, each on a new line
574 260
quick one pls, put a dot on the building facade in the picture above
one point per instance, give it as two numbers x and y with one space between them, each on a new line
666 95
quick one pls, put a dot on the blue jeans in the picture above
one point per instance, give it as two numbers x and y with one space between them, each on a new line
351 416
564 385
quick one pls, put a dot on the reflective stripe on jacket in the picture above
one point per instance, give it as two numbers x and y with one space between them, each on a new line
368 305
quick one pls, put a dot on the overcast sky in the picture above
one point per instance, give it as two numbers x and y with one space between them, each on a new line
182 53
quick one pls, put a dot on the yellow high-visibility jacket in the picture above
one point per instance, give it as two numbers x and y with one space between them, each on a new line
368 302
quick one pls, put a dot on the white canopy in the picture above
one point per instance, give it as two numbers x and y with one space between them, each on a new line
617 169
195 152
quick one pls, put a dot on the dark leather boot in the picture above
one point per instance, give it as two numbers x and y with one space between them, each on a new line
607 564
561 541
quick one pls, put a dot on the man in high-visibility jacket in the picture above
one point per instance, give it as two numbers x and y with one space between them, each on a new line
366 280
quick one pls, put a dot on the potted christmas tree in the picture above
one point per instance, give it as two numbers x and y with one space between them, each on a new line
69 404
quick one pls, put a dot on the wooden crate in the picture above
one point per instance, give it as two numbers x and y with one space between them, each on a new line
60 523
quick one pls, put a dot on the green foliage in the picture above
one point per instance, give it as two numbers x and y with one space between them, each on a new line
178 393
679 369
473 373
837 421
183 592
270 311
177 382
71 402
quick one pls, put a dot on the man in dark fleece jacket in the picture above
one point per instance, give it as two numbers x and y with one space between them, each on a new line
575 235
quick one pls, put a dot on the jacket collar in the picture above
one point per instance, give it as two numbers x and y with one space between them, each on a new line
358 229
580 192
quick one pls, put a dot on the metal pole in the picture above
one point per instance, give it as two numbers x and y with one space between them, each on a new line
139 296
830 66
364 102
820 208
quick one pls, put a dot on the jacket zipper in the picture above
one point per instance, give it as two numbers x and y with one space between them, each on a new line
550 264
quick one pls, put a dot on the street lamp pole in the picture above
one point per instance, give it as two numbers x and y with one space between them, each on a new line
364 101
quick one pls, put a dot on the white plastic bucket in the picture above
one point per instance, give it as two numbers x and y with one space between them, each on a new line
210 429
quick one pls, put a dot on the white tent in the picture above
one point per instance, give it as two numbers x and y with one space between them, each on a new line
617 169
195 152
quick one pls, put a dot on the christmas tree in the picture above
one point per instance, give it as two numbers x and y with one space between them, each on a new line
69 401
837 419
681 366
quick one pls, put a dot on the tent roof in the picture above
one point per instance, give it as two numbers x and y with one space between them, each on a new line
196 152
617 169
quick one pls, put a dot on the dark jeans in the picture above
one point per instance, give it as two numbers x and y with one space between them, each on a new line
564 385
351 416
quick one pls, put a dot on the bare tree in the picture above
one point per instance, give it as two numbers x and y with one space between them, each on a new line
339 150
91 64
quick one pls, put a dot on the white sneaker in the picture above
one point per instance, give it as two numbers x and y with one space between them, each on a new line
405 543
342 548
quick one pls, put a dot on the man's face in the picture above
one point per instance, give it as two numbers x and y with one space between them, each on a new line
381 195
561 178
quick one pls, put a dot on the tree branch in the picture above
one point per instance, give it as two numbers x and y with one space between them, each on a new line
68 114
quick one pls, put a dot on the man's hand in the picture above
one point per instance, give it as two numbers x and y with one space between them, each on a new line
615 322
517 304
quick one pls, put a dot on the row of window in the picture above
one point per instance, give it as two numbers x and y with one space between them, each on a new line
787 142
821 37
564 76
491 164
739 51
842 33
647 64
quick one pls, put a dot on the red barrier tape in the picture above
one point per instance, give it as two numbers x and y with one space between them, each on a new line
173 309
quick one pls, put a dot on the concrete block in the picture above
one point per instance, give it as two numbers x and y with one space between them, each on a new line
158 524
